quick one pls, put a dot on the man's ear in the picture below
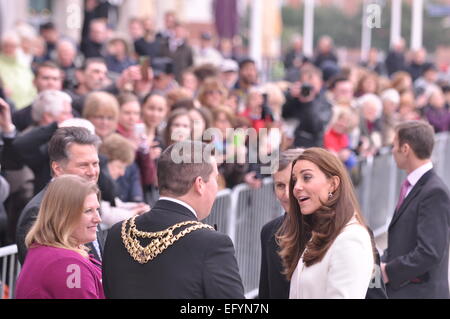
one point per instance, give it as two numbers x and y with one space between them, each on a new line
57 169
405 148
199 185
47 118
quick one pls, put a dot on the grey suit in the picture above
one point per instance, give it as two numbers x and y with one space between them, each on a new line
418 242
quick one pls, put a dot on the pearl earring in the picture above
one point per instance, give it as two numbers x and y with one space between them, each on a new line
330 194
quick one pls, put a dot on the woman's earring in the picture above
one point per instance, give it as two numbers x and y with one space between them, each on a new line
330 194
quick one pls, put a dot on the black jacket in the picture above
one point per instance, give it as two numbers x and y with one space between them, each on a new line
199 265
22 118
395 61
416 70
182 57
313 117
272 283
32 147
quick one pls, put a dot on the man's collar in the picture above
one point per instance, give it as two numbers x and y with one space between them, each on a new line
180 202
416 174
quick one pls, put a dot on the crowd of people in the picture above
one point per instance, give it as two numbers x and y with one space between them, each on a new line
136 97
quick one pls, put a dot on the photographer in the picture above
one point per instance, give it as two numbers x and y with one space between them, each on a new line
306 104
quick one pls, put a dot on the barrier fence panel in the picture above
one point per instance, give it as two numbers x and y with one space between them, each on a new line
446 173
363 188
10 268
381 199
439 153
253 209
220 213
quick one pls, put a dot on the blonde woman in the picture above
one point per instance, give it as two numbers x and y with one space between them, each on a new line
212 93
58 264
102 109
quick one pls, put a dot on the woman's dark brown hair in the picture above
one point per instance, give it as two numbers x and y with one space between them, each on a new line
126 97
368 76
326 223
171 118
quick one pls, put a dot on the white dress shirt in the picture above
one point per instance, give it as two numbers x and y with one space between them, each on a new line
179 202
344 272
417 174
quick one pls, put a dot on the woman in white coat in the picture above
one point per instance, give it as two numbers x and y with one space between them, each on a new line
325 246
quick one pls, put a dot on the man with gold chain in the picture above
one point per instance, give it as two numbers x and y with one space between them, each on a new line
168 253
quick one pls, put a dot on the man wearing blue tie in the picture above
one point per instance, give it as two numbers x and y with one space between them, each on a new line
415 263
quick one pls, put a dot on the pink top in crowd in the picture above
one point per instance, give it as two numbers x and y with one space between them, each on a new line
58 273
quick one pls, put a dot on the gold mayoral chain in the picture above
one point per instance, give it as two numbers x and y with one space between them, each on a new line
160 242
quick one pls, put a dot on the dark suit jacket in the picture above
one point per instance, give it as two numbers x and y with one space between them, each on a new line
22 118
418 242
272 283
183 58
27 219
200 265
395 62
33 150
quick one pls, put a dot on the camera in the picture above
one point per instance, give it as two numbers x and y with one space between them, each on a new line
265 98
266 112
306 89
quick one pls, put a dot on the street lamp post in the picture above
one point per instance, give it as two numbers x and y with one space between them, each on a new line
396 21
417 23
308 28
366 33
256 32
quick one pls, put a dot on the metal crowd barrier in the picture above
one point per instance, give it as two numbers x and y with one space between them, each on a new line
252 209
10 268
446 173
241 213
378 191
441 156
221 211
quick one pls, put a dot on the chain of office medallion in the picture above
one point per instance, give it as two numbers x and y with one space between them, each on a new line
162 239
